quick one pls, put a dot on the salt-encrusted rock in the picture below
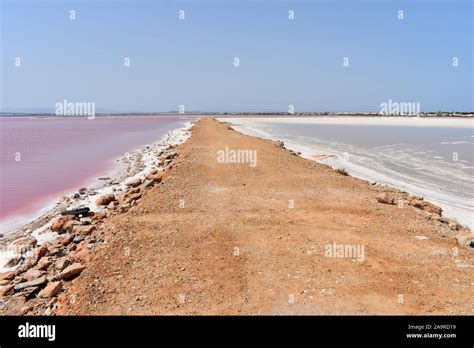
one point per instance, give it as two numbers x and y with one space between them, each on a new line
453 224
23 244
83 190
385 198
51 290
31 283
62 263
465 238
7 275
33 273
71 271
106 199
134 182
13 261
85 230
169 155
427 206
402 203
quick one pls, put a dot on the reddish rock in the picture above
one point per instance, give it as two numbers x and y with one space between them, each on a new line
133 197
43 263
84 256
134 190
155 177
427 206
124 208
67 240
6 290
26 309
7 276
58 224
53 250
385 198
68 226
40 252
33 273
134 182
51 290
81 245
104 200
99 216
71 271
35 256
62 263
85 230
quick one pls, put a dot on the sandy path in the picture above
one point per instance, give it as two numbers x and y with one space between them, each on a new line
161 258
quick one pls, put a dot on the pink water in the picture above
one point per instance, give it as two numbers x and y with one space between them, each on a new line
60 155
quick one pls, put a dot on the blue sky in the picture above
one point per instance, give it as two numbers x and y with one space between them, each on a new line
190 62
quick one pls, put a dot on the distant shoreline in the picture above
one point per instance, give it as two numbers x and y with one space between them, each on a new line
466 114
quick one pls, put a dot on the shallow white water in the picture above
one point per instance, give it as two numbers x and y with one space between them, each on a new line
433 158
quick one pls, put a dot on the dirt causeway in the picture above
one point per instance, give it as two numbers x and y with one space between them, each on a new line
232 238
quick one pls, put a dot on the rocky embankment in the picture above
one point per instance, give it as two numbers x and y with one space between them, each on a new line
42 272
393 196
